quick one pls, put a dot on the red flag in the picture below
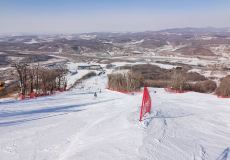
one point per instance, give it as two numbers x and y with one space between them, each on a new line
146 103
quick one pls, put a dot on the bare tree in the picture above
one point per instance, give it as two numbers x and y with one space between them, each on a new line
36 70
40 78
21 68
125 82
61 72
178 80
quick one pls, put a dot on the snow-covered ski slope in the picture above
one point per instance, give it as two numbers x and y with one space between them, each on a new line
76 126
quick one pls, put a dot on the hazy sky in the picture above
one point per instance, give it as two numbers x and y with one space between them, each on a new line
74 16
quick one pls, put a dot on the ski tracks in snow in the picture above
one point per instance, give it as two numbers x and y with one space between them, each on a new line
201 153
99 133
183 131
158 143
76 142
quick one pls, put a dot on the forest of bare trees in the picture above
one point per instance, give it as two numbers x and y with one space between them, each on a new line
124 82
35 80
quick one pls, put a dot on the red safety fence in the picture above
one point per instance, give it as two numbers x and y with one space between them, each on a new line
146 103
21 97
125 92
34 94
170 90
223 96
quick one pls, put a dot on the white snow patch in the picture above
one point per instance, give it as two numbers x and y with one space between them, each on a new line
137 42
87 37
207 38
74 74
164 66
33 41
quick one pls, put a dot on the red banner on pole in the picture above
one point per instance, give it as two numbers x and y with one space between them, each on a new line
146 103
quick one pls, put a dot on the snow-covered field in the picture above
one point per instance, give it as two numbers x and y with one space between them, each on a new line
75 125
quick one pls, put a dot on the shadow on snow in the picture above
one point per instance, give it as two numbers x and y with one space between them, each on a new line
224 154
57 109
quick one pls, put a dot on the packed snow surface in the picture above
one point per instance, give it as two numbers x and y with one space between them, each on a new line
75 125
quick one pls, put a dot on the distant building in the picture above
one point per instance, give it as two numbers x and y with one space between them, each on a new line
90 67
110 66
179 68
82 67
95 67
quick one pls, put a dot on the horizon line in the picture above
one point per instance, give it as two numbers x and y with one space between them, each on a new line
91 32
